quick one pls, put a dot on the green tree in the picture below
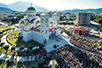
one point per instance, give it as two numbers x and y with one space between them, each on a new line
6 47
10 22
21 48
12 48
1 44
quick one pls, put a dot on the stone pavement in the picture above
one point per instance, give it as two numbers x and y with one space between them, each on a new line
49 44
3 39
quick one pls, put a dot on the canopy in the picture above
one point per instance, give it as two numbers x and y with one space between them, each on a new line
53 63
35 48
52 30
79 31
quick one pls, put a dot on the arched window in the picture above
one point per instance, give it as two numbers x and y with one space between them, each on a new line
33 20
46 31
27 20
37 22
46 20
42 31
42 20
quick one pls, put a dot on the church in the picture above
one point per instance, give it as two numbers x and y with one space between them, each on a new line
38 28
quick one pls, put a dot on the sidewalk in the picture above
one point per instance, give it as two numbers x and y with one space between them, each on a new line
16 58
62 41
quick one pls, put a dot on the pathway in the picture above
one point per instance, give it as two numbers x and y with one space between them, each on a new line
17 58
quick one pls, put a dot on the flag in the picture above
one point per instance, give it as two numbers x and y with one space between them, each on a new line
57 21
47 24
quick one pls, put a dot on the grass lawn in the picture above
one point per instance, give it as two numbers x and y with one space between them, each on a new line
17 64
18 42
5 28
3 51
13 34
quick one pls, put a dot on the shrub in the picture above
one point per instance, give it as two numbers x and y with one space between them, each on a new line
57 57
41 47
6 47
76 37
93 60
95 44
1 44
48 55
21 48
12 48
40 61
85 42
63 53
79 54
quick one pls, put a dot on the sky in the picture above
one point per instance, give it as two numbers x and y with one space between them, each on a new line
62 4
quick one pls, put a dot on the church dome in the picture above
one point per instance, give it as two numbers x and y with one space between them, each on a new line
31 8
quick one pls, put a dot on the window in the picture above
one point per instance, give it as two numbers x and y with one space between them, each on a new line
42 31
42 20
46 31
46 20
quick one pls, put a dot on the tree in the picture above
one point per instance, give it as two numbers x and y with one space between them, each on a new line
40 62
48 55
12 48
99 20
79 54
57 57
21 48
61 18
100 30
6 47
10 22
1 44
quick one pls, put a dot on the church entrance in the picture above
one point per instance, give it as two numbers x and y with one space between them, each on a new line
53 34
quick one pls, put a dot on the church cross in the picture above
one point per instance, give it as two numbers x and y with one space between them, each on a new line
31 4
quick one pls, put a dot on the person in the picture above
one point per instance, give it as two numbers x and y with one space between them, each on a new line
28 62
44 41
22 61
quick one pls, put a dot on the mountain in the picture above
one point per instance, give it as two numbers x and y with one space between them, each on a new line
5 9
23 5
84 10
3 5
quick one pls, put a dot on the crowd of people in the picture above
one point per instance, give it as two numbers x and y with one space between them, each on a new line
72 59
88 49
86 44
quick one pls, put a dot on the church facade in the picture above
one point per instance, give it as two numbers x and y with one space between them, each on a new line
37 28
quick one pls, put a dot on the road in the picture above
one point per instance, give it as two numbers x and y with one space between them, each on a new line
96 24
13 26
